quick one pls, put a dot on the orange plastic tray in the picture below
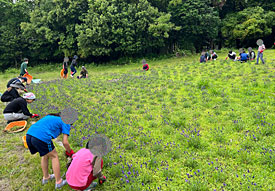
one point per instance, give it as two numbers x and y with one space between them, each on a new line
29 78
24 141
22 124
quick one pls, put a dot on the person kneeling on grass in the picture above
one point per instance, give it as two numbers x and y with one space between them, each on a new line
231 55
87 164
83 73
203 57
17 109
244 57
39 139
145 65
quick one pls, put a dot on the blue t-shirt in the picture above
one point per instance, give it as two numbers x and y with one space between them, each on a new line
244 57
49 128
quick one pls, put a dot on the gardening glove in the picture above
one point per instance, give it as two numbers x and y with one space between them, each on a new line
34 116
27 73
101 180
25 90
70 154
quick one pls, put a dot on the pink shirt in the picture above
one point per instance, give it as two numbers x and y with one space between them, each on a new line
261 48
80 168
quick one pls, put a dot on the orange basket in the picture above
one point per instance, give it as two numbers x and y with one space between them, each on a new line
11 125
24 141
29 78
62 74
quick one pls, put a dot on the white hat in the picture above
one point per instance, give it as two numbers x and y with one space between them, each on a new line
29 96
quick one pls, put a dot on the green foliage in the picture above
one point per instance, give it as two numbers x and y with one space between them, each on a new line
247 25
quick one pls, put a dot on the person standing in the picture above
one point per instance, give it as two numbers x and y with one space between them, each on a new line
73 65
39 139
260 51
65 67
23 69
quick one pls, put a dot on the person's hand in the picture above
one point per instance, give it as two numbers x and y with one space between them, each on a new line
27 73
261 51
34 116
25 90
70 154
102 179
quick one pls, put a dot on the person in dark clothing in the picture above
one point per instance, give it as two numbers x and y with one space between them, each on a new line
17 110
65 67
83 73
203 58
213 55
145 65
207 56
12 92
18 79
251 54
73 65
231 55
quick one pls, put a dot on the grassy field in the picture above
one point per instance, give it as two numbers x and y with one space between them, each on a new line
180 126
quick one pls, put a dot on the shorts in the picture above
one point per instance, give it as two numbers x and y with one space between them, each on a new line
35 145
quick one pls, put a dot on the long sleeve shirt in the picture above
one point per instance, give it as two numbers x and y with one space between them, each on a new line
18 105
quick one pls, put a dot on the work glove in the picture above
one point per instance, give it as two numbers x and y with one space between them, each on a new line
101 180
25 90
27 73
34 116
70 154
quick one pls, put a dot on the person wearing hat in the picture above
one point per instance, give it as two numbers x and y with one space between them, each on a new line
260 51
13 92
73 65
83 73
17 109
18 79
87 163
145 65
23 69
39 139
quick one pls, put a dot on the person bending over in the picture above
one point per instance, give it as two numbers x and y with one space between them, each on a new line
145 66
231 55
13 92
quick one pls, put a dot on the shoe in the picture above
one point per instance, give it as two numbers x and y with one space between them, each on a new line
45 181
72 76
92 185
63 183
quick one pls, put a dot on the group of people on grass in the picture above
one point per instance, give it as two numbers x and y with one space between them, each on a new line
243 56
83 73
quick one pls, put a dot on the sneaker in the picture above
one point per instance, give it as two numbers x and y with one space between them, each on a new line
92 185
45 181
72 76
63 183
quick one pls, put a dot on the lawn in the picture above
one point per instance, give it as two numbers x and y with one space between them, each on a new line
180 126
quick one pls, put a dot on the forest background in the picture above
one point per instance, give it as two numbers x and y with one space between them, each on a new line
101 31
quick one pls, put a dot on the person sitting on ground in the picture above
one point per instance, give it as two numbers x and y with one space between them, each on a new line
251 54
203 58
231 55
213 55
145 65
13 92
244 57
86 167
73 65
83 73
18 79
39 139
23 69
17 109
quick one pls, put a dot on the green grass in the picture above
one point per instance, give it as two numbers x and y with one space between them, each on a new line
182 125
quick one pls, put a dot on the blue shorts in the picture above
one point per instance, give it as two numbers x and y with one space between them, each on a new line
35 145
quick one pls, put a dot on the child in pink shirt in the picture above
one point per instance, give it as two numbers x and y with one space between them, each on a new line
260 53
84 168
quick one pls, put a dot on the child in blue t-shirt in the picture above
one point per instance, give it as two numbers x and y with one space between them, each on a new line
39 139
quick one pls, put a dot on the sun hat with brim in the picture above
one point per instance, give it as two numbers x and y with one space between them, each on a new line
69 115
18 85
99 145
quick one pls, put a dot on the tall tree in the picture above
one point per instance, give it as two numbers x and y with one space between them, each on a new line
116 28
199 22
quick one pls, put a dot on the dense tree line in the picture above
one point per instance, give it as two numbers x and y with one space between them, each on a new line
102 30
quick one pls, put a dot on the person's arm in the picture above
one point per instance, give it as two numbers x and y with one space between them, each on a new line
66 144
24 108
97 167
